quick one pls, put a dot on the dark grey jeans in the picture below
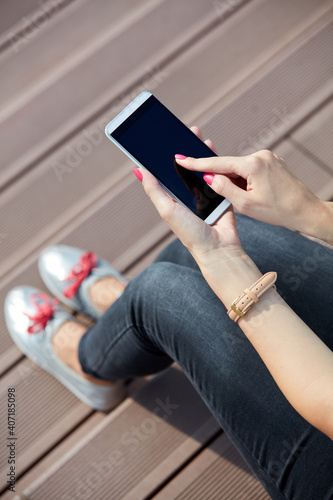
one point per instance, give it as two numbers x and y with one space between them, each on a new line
168 313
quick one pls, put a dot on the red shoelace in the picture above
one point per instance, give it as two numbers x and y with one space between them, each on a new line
44 312
79 272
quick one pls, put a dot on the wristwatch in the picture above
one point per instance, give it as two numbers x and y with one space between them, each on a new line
250 296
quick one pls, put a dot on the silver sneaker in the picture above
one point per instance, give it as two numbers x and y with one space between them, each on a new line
69 272
32 318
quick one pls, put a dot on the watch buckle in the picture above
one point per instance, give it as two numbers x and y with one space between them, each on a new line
238 311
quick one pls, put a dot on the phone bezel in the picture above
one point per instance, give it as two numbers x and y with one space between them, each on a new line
126 113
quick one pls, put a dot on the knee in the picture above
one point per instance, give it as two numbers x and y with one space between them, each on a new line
154 297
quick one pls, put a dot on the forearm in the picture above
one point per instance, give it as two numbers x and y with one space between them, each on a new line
300 363
316 220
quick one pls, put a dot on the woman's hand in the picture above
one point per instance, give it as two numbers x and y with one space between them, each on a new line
217 249
195 234
260 186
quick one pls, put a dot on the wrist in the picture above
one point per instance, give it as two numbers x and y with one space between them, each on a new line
228 276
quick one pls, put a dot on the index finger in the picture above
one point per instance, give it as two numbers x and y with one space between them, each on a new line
215 164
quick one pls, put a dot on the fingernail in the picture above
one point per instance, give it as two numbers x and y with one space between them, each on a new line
138 174
180 157
208 178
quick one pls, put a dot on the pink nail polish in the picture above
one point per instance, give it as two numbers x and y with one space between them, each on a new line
180 157
208 178
138 174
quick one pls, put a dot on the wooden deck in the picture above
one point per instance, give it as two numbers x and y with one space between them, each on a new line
253 74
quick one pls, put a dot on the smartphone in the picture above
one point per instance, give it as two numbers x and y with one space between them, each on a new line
151 136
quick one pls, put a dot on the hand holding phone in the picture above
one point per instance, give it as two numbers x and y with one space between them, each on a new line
151 136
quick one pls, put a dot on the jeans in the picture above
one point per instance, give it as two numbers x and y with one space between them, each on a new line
169 313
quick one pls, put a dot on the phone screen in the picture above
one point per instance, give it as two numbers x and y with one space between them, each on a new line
153 135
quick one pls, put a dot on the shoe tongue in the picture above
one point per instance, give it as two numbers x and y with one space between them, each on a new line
83 293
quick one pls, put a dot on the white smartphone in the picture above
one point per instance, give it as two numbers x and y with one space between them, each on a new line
151 136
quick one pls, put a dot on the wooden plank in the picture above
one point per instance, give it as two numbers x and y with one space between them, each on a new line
218 472
166 418
314 138
306 169
23 18
85 160
77 434
15 10
222 66
57 125
55 454
89 86
276 104
82 25
45 413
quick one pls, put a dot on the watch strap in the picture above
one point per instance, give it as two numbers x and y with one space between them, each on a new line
251 295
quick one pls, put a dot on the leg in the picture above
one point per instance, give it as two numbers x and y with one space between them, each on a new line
158 318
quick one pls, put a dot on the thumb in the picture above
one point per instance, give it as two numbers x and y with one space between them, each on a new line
224 186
